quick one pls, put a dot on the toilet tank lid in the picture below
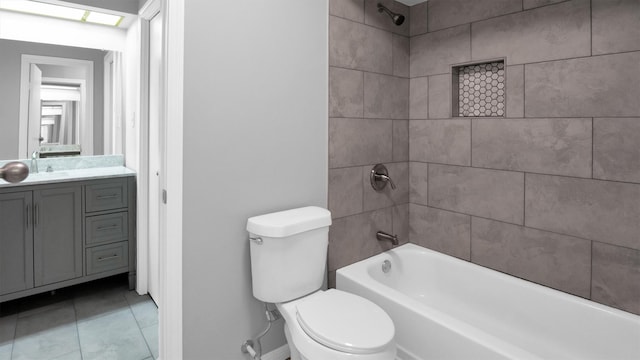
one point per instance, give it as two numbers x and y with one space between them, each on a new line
289 222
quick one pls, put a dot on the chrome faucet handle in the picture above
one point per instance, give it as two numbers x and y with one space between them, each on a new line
379 177
386 178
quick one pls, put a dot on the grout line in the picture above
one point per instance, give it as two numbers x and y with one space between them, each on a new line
75 314
374 72
593 145
530 172
591 27
524 200
591 272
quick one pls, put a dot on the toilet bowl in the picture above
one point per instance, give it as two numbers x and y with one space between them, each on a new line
288 267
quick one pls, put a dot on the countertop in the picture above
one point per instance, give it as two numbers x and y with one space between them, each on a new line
70 175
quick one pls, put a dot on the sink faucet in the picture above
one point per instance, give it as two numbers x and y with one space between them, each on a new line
34 161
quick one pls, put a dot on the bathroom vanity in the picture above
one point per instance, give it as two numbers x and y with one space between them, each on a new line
64 228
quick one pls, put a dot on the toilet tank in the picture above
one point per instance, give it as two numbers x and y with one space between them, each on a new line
288 253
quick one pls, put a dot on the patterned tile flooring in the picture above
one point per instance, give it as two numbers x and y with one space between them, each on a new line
97 320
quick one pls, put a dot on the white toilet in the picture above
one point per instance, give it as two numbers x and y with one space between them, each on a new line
288 262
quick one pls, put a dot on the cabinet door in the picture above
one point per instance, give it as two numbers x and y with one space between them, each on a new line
57 234
16 242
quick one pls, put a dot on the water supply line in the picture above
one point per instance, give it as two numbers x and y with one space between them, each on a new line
248 346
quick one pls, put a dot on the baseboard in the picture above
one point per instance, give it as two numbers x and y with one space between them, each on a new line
280 353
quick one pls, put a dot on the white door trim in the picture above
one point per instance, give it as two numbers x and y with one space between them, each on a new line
86 129
150 9
170 312
171 251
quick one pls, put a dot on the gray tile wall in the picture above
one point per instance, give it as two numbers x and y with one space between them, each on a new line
551 192
369 113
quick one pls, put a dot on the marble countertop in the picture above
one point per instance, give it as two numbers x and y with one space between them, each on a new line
69 175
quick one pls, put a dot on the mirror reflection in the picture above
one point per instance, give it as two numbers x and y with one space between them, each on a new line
54 99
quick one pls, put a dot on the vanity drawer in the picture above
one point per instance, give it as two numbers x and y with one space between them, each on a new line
108 257
106 228
106 196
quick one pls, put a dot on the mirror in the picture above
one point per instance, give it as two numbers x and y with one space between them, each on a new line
54 99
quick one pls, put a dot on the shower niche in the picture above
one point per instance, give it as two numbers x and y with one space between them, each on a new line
479 89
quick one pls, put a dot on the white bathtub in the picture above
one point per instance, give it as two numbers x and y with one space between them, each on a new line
446 308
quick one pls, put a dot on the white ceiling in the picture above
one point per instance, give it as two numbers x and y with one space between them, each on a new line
411 2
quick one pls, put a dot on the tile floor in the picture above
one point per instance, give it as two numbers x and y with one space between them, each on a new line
98 320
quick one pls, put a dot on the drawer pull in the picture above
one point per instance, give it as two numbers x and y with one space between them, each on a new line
102 197
106 227
104 258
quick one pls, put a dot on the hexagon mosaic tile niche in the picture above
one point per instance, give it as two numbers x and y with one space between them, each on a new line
480 90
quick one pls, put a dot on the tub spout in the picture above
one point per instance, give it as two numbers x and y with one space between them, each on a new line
382 236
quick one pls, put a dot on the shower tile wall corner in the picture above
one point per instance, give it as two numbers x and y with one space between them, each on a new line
369 61
549 193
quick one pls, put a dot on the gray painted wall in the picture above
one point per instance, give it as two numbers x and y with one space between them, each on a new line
255 141
10 63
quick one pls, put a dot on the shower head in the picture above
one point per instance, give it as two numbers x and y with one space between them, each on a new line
396 18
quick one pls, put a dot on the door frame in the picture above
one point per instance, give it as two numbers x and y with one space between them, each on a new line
170 262
86 128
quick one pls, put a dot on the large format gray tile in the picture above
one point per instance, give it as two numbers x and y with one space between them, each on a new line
418 182
401 140
616 277
353 238
560 31
144 309
348 9
440 230
592 209
101 303
530 4
548 146
440 141
346 93
46 335
448 13
73 355
345 191
615 26
486 193
419 98
357 46
434 53
383 21
359 141
616 149
558 261
400 216
7 333
515 91
400 55
373 200
386 97
419 19
150 334
112 336
440 96
597 86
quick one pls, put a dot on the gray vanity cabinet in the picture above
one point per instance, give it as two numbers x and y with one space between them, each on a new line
57 234
62 234
16 242
41 240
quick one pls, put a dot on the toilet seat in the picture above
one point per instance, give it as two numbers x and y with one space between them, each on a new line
345 322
